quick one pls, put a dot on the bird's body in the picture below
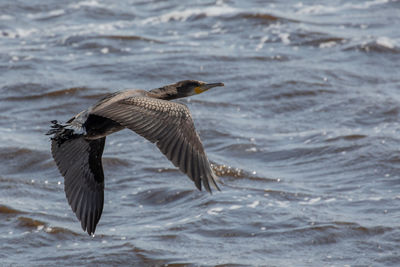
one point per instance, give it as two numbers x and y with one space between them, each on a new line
77 146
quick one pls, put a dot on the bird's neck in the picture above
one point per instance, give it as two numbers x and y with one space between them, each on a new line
167 93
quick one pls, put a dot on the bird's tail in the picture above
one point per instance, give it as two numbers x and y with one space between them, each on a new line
61 132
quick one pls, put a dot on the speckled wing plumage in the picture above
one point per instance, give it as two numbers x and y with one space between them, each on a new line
170 126
79 161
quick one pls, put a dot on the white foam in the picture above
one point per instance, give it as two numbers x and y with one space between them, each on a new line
327 44
215 211
25 32
386 42
89 3
284 38
253 149
375 198
199 34
183 15
282 204
57 12
314 200
310 201
52 13
151 226
104 50
254 204
184 220
262 41
235 207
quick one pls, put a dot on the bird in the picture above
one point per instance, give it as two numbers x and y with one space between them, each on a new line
77 145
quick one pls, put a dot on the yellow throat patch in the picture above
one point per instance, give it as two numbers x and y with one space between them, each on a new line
198 90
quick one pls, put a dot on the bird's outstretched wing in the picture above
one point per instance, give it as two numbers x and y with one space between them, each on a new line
79 161
170 126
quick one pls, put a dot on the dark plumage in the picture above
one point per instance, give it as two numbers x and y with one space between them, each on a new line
77 146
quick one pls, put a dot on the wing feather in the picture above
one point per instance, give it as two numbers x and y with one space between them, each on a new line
182 157
79 161
170 126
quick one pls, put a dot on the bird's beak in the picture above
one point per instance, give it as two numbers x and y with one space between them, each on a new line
204 87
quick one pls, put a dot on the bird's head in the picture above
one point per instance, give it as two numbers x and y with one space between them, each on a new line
193 87
182 89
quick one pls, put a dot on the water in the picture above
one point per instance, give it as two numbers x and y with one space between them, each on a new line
305 133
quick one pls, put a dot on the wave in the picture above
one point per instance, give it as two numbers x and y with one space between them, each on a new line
44 16
326 9
129 38
22 160
164 196
83 40
350 137
261 18
190 14
115 162
9 210
321 42
21 88
377 45
26 222
333 232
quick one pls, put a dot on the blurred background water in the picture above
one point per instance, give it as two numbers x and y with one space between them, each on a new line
305 133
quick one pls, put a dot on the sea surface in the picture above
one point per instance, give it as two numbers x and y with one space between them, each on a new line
305 135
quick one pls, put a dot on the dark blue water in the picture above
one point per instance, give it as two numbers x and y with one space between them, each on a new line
304 135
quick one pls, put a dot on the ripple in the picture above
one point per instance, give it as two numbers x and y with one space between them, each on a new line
23 160
26 222
116 162
50 15
350 137
163 196
129 38
261 18
8 210
336 231
321 42
51 94
379 45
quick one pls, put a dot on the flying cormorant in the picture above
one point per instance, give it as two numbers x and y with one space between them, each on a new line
77 146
